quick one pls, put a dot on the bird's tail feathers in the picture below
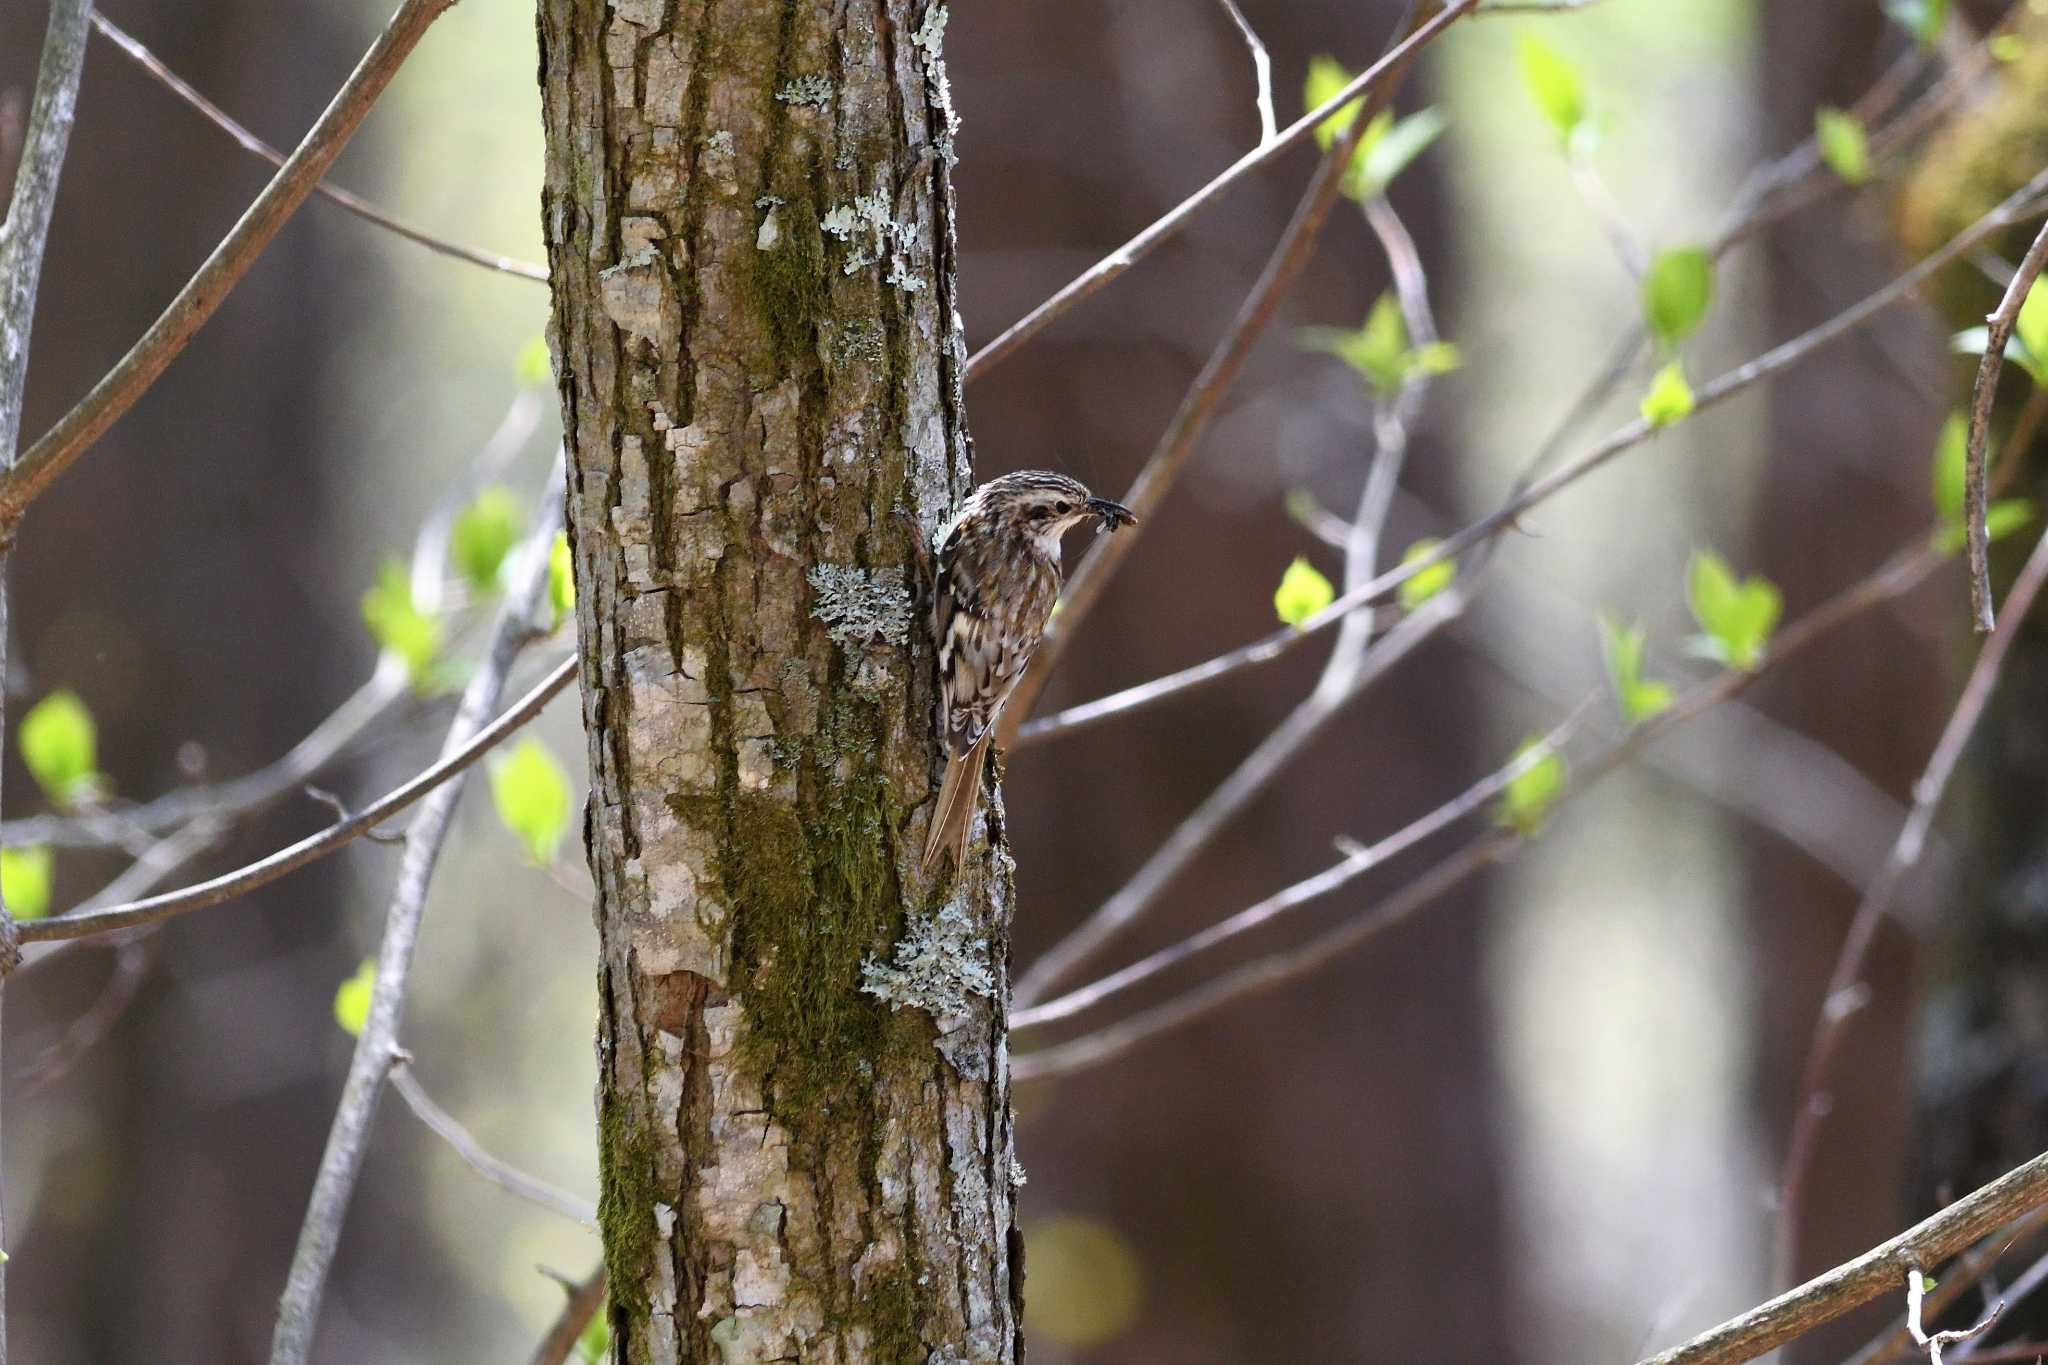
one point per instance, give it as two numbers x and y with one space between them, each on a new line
959 794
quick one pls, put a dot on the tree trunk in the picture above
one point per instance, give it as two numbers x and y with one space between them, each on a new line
805 1125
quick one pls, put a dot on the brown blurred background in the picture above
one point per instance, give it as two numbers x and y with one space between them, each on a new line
1540 1123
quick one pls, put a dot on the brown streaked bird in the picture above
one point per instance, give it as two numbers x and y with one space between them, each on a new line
993 590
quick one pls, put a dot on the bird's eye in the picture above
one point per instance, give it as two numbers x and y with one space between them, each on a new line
1063 507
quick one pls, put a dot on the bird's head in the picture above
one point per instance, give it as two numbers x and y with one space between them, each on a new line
1045 506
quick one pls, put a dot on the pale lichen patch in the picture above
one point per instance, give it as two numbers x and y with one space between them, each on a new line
872 235
813 90
860 606
941 966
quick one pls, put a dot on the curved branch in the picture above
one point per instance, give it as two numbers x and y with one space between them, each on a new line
1167 227
1998 329
134 51
223 270
1876 1272
314 846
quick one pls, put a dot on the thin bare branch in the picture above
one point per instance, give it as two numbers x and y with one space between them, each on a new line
1935 1343
23 237
585 1299
1826 1297
1356 661
132 48
1198 406
1897 576
1967 1272
287 774
1997 331
1718 390
1845 982
27 227
131 951
84 924
202 294
1358 860
1262 72
1167 227
376 1050
503 1174
1527 492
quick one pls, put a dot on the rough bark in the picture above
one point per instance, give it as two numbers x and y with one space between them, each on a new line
803 1096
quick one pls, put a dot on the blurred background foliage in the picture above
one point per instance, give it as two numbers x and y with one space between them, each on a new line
1539 1123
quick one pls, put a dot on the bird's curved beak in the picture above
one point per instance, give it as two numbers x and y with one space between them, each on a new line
1113 514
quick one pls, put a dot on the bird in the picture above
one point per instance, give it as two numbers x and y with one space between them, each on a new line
994 585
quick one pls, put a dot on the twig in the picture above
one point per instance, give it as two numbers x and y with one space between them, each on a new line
376 1051
1826 1297
131 954
362 208
585 1299
1262 72
500 1173
1529 493
1997 331
2030 1280
313 847
1290 254
202 294
1355 662
1934 1344
1978 1261
1165 228
1892 579
1358 860
1716 391
1838 1002
23 237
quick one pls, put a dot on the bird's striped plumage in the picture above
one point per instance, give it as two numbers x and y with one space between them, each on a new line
994 585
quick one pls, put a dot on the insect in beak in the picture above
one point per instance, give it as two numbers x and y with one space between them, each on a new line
1113 514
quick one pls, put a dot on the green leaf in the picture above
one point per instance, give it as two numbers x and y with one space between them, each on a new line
1972 340
1530 794
1677 290
61 746
531 792
1428 582
1388 148
352 999
561 579
1302 592
1843 144
1921 18
1622 647
2031 327
536 366
2006 47
594 1344
1439 357
1951 461
400 627
1327 76
2007 515
25 877
1377 351
484 533
1738 618
1670 397
1553 83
